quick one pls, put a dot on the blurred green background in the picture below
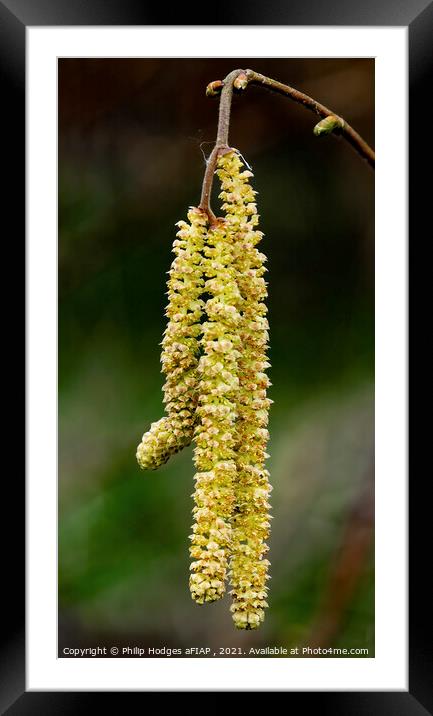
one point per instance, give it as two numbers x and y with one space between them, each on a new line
132 138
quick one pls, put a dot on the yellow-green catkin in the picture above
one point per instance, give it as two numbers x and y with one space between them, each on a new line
250 519
180 346
215 433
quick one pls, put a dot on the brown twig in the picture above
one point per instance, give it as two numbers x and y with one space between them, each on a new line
241 79
345 129
221 143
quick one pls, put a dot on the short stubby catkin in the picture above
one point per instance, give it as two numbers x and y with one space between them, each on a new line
250 519
180 346
215 434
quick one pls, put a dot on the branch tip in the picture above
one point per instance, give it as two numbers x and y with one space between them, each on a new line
214 88
328 125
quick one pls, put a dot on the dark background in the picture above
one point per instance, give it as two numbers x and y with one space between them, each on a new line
131 137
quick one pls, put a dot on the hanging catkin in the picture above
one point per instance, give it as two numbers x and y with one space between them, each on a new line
250 520
180 346
215 433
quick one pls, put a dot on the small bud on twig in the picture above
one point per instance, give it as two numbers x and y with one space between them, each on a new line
328 125
241 81
214 88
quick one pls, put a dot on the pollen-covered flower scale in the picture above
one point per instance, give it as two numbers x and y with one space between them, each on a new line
215 433
180 346
250 520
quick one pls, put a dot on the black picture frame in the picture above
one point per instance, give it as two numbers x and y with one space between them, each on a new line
15 17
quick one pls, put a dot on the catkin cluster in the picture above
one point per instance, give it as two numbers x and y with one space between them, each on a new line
214 359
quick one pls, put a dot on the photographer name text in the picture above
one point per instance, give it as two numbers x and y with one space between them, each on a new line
205 651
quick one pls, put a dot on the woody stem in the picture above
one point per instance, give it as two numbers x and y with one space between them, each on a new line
251 77
221 143
355 139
